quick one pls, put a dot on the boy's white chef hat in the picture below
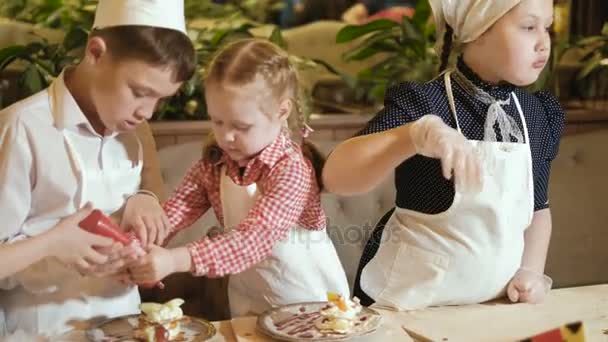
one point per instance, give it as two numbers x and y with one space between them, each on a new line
468 18
157 13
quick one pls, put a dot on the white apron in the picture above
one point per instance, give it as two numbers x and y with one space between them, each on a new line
303 267
52 294
468 253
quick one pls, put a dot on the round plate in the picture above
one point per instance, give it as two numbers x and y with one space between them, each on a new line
121 329
295 323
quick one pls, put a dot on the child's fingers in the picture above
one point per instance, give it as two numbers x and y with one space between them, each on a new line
166 224
526 297
123 278
151 231
82 213
82 266
97 240
95 257
460 171
163 225
141 275
447 163
140 229
512 293
139 278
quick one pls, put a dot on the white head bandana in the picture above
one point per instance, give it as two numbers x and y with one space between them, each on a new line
468 18
156 13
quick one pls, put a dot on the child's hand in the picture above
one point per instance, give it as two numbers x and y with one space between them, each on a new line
528 286
118 257
75 246
433 138
146 216
154 266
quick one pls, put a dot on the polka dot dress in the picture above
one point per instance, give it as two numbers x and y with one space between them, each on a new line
419 181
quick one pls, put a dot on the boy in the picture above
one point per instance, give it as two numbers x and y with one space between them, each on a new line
73 143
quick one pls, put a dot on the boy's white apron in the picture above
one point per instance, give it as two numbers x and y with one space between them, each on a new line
468 253
51 294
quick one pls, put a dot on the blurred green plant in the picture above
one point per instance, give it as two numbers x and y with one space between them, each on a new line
42 61
50 13
406 49
189 102
61 13
592 79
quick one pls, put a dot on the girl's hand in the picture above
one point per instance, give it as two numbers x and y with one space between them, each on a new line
528 286
73 245
154 266
146 216
433 138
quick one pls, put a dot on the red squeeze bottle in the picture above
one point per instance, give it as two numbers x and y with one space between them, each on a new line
99 224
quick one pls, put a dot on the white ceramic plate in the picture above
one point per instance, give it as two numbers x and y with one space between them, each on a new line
121 329
296 323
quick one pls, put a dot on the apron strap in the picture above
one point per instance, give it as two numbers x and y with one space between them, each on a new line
522 117
78 164
448 89
140 151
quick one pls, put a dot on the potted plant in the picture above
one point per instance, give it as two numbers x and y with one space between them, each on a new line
405 50
41 61
592 79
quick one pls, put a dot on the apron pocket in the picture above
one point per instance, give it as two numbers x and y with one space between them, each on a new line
415 278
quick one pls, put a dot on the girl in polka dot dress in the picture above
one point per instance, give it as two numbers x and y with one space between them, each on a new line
471 152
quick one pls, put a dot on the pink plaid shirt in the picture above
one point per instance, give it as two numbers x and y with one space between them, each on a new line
289 197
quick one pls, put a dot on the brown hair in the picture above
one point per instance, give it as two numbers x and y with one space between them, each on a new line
447 48
153 45
240 63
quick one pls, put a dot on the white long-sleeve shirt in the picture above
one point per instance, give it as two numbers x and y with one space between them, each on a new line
39 181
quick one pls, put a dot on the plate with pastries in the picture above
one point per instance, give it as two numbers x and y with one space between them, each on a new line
156 323
337 319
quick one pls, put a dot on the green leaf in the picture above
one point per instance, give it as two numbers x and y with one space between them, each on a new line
591 40
589 67
382 41
34 48
218 37
32 79
348 79
410 31
377 92
361 54
351 32
277 38
9 54
605 29
75 38
46 66
391 34
429 32
422 14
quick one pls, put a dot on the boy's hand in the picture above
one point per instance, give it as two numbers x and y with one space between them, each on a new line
146 216
75 246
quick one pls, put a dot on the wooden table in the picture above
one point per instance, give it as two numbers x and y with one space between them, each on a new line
496 321
500 321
